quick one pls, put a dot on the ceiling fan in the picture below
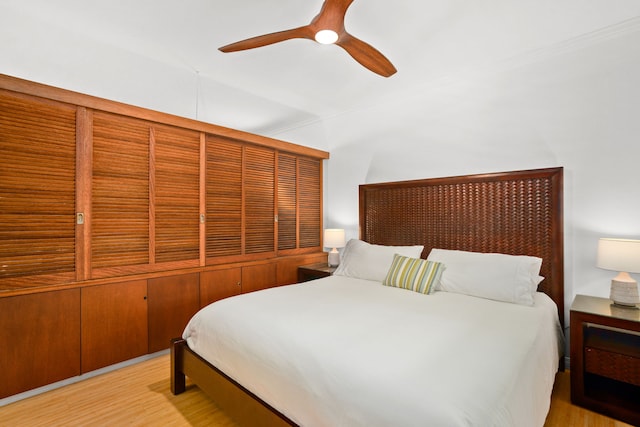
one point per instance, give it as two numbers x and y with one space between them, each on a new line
326 28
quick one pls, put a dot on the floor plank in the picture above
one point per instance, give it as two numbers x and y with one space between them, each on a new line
139 395
136 395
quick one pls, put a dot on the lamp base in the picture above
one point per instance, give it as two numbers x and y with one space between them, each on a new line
624 293
334 258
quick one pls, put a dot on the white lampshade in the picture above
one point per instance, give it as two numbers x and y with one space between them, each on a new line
334 238
623 256
619 255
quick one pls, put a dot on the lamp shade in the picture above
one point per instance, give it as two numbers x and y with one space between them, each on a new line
619 255
334 238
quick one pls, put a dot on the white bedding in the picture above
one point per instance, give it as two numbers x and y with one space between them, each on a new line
340 351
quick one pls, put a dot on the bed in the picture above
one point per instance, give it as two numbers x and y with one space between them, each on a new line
348 350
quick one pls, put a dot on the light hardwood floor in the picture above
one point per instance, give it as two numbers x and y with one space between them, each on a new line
139 395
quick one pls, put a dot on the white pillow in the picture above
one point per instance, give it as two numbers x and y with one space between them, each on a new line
363 260
501 277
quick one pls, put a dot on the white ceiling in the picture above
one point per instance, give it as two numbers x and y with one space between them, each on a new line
431 43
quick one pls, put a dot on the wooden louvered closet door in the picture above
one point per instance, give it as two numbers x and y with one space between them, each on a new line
299 202
176 194
287 202
37 188
259 202
120 192
310 201
240 200
223 197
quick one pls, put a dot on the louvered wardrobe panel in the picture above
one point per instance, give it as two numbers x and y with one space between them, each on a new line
310 201
37 187
259 203
223 197
120 191
287 202
177 197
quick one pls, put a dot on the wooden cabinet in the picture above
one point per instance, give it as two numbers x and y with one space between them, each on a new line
114 323
223 283
288 268
118 203
605 358
218 284
40 335
172 301
257 277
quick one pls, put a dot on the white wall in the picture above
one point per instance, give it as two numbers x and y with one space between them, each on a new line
575 105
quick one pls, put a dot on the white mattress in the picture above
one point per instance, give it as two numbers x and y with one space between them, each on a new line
340 351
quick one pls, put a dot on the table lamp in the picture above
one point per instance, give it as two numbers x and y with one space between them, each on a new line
334 239
622 255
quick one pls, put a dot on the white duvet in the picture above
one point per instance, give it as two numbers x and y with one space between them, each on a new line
340 351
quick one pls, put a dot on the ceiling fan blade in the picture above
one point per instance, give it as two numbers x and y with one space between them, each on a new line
295 33
366 55
331 16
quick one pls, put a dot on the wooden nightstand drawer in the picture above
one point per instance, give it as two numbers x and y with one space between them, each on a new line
616 366
612 353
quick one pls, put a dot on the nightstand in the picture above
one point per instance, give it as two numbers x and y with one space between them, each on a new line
314 271
605 358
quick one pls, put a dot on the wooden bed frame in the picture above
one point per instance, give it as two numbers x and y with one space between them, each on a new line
517 213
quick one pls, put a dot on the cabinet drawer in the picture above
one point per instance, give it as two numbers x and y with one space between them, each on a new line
619 367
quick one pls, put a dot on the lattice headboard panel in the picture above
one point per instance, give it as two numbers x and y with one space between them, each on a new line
517 213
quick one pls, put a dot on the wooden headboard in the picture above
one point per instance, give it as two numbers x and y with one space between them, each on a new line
518 213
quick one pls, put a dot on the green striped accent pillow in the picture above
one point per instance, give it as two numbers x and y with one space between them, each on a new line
415 274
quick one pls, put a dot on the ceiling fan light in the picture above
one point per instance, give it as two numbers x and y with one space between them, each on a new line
326 37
